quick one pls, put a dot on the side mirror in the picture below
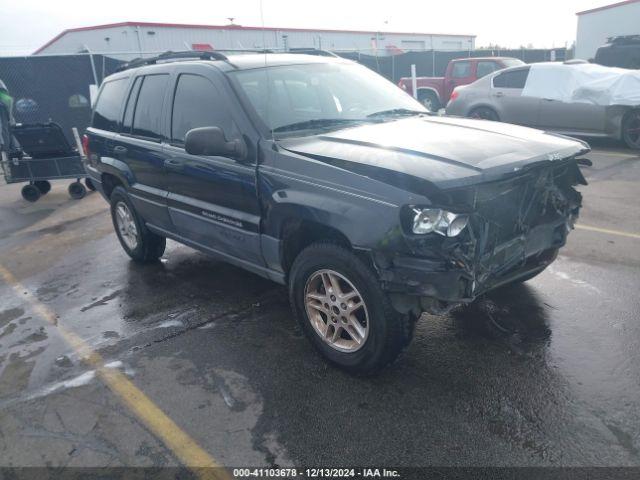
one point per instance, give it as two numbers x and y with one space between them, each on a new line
211 141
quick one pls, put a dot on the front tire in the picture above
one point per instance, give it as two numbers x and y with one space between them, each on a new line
142 245
342 310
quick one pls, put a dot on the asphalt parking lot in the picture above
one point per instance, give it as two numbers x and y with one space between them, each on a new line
108 363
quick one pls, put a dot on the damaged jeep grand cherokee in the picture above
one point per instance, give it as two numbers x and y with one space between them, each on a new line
319 174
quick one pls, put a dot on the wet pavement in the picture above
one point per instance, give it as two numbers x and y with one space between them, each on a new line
542 373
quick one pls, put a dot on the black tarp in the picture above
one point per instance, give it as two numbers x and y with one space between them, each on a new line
54 88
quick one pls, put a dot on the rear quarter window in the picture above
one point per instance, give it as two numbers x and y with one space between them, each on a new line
511 79
461 69
484 68
107 111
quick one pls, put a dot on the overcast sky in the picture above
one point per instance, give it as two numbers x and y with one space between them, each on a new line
27 24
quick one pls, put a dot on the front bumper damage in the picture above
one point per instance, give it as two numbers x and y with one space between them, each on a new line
516 227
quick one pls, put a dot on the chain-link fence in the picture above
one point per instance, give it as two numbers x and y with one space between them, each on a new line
60 88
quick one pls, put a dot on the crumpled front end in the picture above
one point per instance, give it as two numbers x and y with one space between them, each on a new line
515 229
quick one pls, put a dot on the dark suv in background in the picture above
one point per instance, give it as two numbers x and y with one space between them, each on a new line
622 51
319 174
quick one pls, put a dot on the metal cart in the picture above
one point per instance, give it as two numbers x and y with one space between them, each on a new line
47 156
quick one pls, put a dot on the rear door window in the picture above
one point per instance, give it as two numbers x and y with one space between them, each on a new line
109 104
197 103
461 70
147 118
511 79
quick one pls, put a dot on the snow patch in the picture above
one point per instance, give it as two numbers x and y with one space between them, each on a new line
169 324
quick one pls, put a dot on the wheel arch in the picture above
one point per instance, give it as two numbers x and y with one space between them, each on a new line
116 172
297 233
110 181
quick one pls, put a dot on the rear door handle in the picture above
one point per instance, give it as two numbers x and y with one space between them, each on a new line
499 94
119 150
174 164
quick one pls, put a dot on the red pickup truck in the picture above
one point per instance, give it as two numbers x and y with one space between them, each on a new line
434 92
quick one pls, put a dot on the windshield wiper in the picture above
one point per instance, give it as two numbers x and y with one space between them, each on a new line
318 123
397 111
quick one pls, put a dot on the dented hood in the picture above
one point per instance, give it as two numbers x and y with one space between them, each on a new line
445 151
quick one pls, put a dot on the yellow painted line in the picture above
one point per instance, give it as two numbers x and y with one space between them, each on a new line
608 231
612 154
177 440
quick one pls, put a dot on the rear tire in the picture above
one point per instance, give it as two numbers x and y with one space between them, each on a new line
429 100
631 129
484 113
31 193
76 190
43 185
142 245
383 333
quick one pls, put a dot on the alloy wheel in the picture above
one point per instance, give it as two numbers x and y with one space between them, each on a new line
126 225
336 310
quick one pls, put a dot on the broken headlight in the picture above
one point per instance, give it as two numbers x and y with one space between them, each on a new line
442 222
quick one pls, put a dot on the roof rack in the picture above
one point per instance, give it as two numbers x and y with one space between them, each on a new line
313 51
214 55
168 56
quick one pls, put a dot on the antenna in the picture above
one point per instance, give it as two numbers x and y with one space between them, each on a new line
231 19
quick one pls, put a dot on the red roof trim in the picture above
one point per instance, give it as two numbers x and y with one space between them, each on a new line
233 27
607 7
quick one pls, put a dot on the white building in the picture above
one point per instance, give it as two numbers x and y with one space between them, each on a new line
130 39
598 24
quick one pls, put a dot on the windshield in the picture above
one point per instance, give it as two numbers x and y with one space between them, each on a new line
308 96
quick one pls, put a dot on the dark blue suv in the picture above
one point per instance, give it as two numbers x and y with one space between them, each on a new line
317 173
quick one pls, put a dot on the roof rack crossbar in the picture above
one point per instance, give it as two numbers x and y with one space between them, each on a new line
194 54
